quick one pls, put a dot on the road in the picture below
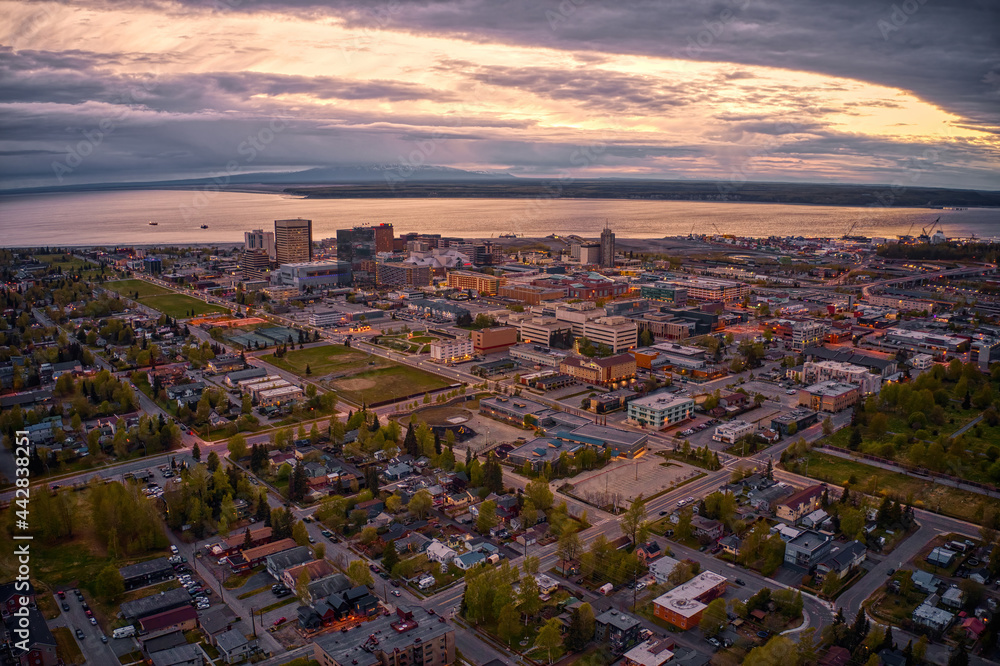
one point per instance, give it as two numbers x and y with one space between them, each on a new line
94 651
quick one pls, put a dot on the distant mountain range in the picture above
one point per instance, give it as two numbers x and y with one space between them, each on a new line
382 181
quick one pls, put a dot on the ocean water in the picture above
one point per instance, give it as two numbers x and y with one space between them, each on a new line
104 218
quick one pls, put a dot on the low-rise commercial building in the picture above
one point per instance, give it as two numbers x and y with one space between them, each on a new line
451 351
830 396
493 340
604 371
401 274
733 430
683 605
658 410
529 294
319 275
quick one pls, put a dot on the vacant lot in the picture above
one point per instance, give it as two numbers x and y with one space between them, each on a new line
180 306
66 646
387 383
647 475
921 493
325 360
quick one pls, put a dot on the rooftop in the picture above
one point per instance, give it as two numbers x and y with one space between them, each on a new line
683 598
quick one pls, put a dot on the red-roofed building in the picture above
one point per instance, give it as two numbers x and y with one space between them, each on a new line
800 504
973 627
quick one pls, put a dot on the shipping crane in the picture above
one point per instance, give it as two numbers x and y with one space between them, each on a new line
925 233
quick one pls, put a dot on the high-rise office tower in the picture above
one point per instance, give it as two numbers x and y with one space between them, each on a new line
607 248
384 237
293 241
258 239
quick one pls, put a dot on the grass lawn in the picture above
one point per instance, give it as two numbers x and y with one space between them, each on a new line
921 493
180 306
66 646
322 360
387 383
128 288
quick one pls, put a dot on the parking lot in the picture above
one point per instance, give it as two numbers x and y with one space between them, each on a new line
624 480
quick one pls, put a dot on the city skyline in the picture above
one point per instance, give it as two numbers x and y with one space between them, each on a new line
740 91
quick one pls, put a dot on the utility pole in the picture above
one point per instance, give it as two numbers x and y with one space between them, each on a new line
253 623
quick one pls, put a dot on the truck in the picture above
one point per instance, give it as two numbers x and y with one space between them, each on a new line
606 589
124 632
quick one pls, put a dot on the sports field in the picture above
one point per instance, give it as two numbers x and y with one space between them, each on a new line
129 288
387 383
324 360
180 306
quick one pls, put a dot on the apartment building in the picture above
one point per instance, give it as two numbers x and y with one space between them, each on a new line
407 637
847 373
829 396
481 283
529 294
451 351
711 289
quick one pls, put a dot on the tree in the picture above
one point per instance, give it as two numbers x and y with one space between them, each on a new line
319 550
237 447
390 557
302 586
581 628
487 518
779 650
300 533
920 649
828 426
358 572
540 494
421 502
528 597
213 461
959 657
109 585
530 564
550 637
196 452
633 521
714 618
683 529
569 546
507 625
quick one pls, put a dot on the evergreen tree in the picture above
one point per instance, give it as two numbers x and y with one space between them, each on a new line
437 443
390 558
263 512
247 539
196 452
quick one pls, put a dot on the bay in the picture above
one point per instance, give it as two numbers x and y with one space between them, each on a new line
121 217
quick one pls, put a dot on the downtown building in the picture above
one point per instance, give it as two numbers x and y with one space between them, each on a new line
317 275
401 274
481 283
821 371
607 248
293 241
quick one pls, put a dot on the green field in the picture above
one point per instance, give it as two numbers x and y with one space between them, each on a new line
324 359
874 480
129 288
180 306
387 383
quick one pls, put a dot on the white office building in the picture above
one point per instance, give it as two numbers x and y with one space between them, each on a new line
660 409
730 432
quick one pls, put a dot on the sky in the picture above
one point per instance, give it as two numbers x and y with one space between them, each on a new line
854 91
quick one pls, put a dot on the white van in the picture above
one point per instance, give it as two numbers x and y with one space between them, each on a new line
124 632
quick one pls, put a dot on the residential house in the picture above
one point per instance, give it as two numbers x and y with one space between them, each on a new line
234 646
315 570
649 551
842 559
731 544
815 519
953 597
705 527
973 628
653 652
189 654
11 596
942 557
808 549
800 504
662 568
439 552
468 560
216 620
930 617
925 581
546 584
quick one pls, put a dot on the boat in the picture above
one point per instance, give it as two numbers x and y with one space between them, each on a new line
204 226
152 224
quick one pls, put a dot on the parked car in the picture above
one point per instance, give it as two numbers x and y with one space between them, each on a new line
396 593
279 621
62 595
65 606
104 639
93 621
79 633
739 581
